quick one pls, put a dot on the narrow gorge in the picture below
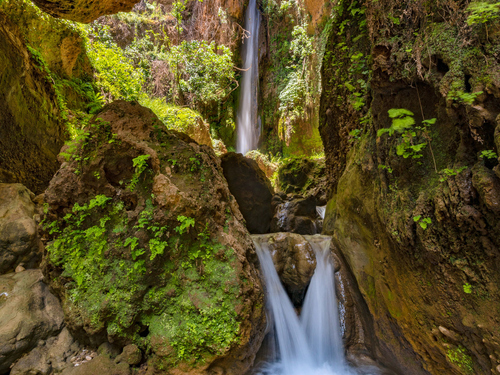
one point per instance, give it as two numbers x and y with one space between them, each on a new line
261 187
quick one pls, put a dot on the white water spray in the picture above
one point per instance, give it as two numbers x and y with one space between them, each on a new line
248 131
313 344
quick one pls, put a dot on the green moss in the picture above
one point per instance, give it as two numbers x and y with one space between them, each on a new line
460 358
190 306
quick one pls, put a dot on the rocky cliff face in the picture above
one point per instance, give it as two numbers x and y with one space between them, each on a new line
31 129
418 228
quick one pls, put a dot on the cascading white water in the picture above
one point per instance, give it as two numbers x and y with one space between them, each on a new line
248 131
320 210
313 344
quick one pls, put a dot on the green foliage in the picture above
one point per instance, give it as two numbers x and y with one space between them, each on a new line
385 167
203 70
354 134
140 164
423 222
402 120
488 154
459 357
185 224
482 12
413 138
115 72
448 172
467 288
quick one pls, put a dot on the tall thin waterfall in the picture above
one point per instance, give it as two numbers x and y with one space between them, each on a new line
248 131
311 345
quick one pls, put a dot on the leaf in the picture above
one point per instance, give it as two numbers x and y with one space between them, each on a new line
402 124
416 218
398 112
423 225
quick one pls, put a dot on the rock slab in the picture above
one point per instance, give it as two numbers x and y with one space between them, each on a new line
19 241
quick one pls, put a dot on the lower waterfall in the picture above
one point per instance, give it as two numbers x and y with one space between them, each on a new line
311 344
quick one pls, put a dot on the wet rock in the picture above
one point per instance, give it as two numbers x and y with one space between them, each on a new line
189 251
84 11
28 313
295 262
20 246
296 215
50 356
252 190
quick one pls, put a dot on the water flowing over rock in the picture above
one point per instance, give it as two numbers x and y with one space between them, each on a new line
147 211
294 261
252 190
311 344
248 128
19 241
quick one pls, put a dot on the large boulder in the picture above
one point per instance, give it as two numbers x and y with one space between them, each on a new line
19 241
31 128
28 313
252 190
298 175
148 246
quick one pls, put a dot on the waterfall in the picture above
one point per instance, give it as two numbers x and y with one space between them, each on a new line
320 210
248 131
311 345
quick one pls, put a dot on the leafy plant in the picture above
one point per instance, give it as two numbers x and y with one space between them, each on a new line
140 164
467 288
488 154
482 12
423 222
185 224
385 167
447 172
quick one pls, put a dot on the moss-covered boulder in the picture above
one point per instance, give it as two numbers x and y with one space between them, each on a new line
148 246
302 175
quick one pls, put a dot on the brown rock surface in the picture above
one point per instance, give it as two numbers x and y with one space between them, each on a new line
28 313
199 271
84 11
31 130
252 190
19 241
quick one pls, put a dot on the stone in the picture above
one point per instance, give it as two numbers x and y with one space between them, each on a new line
31 129
252 190
84 11
296 215
28 313
159 189
131 354
99 365
109 350
48 357
20 245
